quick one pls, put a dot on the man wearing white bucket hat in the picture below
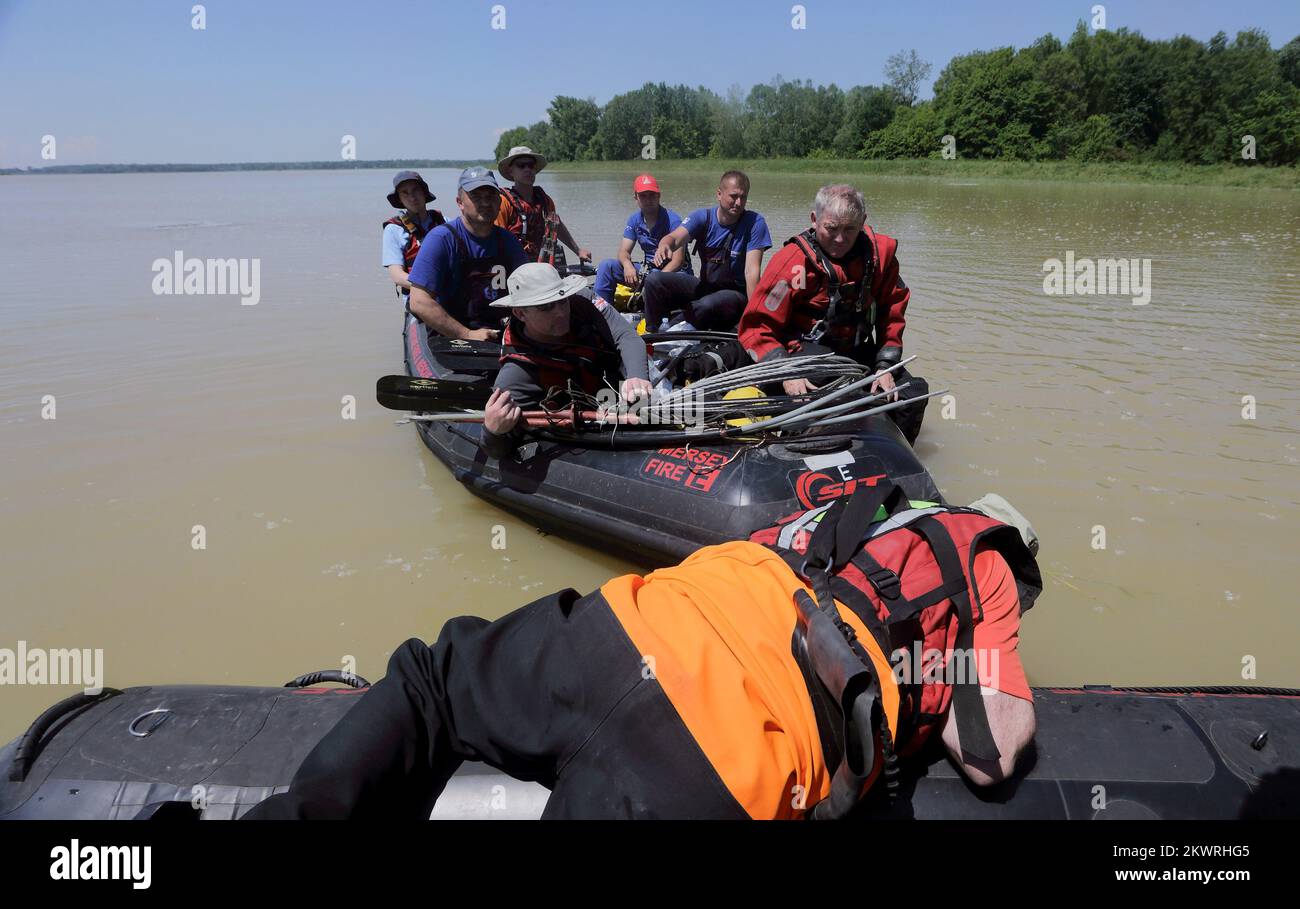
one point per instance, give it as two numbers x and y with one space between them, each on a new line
556 338
525 207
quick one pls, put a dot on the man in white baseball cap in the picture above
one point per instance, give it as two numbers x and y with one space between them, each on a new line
557 338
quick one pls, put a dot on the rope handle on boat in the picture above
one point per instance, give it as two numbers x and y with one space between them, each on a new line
351 679
30 745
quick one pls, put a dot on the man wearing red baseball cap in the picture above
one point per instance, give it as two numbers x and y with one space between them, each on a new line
645 228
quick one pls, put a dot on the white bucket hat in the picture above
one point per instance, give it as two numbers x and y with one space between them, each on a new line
536 284
505 165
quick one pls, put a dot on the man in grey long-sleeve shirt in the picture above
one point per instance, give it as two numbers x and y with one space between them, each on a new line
556 339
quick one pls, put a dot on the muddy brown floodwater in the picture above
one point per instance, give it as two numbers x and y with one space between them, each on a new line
328 537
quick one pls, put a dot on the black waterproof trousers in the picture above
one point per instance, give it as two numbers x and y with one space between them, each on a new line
706 306
553 692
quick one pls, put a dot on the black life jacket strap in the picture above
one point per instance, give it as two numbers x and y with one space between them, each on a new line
865 312
843 527
888 585
972 718
518 205
462 248
415 228
699 250
890 588
861 606
832 282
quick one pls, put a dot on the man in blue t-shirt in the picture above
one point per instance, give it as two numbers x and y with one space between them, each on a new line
731 242
645 228
462 266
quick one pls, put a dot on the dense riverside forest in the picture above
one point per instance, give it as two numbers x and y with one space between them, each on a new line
1101 96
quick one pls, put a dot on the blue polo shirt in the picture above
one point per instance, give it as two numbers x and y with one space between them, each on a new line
395 237
716 239
648 236
440 270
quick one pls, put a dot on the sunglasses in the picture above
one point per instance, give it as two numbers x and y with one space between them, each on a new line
547 307
530 164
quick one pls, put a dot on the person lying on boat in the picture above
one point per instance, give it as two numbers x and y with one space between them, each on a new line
555 337
731 685
645 228
404 232
526 209
730 241
836 286
463 265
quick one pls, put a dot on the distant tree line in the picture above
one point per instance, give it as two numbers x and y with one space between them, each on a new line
1105 96
393 163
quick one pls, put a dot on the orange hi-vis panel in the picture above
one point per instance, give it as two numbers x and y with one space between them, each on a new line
716 632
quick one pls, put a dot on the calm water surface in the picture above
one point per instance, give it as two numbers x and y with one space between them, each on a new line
329 537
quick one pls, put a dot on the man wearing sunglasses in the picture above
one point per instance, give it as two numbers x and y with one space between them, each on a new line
557 339
525 206
645 228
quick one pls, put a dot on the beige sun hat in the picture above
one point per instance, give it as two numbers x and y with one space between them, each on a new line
506 164
536 284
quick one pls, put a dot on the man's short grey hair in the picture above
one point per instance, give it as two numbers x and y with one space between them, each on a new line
840 200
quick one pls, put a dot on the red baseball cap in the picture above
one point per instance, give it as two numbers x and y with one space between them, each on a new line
645 184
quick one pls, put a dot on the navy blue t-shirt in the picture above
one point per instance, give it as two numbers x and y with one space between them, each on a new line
648 236
463 287
717 240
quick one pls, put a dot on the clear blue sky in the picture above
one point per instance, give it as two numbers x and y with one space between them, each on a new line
283 80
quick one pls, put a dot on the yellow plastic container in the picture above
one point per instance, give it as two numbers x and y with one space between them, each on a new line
749 392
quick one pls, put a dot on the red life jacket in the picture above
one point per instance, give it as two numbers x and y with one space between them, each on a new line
908 578
842 313
589 359
528 221
415 234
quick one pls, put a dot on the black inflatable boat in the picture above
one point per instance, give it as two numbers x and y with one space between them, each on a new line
654 501
190 752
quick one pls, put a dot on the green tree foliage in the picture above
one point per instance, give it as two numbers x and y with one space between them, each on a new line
867 109
1289 59
914 132
1094 140
574 122
791 119
727 120
536 137
906 72
1109 95
681 119
511 138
